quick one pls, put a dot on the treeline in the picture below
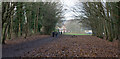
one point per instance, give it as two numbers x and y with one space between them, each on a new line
27 18
103 18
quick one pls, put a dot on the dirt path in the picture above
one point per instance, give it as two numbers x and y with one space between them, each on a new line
64 46
19 49
77 46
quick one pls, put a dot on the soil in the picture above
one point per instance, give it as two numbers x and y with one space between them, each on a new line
62 46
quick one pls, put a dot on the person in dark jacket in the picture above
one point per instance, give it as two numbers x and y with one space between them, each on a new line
53 34
61 32
56 34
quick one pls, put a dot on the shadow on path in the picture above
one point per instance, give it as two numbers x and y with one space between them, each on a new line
19 49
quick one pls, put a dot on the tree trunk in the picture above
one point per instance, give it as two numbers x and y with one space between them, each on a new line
34 26
37 24
119 21
4 34
11 27
19 28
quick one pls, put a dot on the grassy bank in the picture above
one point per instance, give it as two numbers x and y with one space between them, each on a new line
75 34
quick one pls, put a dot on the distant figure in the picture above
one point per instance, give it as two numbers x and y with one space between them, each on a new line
53 34
60 32
56 34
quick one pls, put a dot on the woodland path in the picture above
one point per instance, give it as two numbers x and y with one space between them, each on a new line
64 46
19 49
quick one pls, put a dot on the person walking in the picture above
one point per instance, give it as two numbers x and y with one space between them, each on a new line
56 34
53 34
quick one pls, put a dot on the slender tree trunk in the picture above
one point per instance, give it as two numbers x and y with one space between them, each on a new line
11 27
37 24
4 34
0 23
109 24
26 30
34 26
19 28
119 21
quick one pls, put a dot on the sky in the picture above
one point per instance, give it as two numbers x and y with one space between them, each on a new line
68 4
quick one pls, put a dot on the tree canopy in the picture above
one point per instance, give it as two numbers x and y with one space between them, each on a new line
27 18
102 17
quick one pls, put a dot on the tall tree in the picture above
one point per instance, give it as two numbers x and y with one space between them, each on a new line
102 17
20 19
